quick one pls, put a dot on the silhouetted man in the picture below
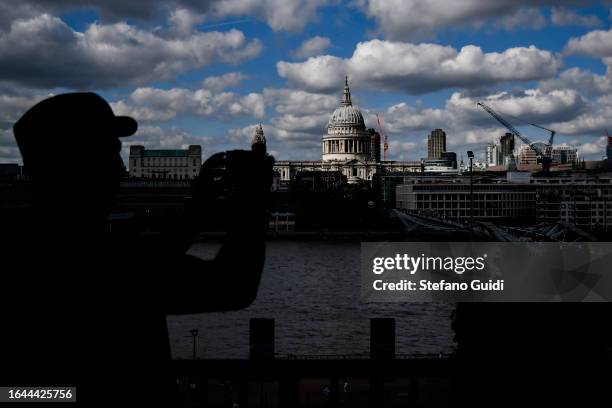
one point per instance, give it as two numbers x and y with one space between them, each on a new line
533 353
84 308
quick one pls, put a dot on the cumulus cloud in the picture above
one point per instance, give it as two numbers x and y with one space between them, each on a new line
285 144
12 106
161 105
420 68
296 101
45 52
301 118
404 117
319 74
408 136
461 113
584 81
468 126
596 44
592 121
421 19
156 137
280 15
404 150
595 149
117 9
563 16
531 18
311 47
183 22
295 131
531 105
228 80
9 153
14 102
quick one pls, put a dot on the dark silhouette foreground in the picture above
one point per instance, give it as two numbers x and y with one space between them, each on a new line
83 307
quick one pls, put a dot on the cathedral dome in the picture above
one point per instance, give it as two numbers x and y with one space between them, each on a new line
347 138
346 114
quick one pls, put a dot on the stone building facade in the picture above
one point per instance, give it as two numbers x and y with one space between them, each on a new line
174 164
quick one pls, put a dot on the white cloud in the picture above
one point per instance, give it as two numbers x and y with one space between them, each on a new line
14 102
311 47
156 137
420 68
114 10
280 15
596 148
322 73
403 117
228 80
299 112
563 16
289 145
422 19
295 101
297 129
596 43
403 150
45 52
160 105
12 106
183 22
592 121
531 105
583 81
6 137
524 18
461 116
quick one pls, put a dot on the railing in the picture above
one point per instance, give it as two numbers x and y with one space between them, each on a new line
291 380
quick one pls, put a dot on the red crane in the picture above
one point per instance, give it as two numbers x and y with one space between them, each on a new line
386 141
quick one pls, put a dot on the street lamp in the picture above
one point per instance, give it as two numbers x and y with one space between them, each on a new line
194 334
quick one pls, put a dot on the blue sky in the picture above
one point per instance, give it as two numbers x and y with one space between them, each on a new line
207 72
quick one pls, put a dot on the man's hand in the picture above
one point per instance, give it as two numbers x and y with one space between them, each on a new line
234 185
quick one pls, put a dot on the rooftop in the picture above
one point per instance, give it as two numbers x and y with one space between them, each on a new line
166 153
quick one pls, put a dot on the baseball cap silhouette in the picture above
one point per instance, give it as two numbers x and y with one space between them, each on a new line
67 123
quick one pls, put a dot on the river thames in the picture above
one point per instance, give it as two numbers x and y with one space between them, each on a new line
312 290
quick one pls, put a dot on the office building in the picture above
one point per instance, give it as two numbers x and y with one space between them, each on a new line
450 197
175 164
564 155
436 144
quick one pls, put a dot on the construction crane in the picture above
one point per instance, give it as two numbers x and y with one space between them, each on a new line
386 141
543 151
